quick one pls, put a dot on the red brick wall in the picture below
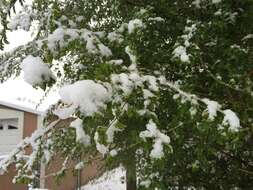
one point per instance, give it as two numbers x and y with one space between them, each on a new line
30 124
69 181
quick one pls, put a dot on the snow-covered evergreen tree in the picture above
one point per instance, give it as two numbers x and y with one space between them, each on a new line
163 87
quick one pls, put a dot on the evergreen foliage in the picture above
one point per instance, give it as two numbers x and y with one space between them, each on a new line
179 82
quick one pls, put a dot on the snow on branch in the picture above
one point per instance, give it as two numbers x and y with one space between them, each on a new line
81 136
180 50
213 107
159 139
36 71
21 20
31 141
86 95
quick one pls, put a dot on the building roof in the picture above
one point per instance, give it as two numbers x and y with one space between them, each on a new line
21 108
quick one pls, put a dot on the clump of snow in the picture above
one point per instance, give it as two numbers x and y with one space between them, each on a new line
212 107
249 36
193 111
196 3
86 95
145 183
147 94
81 137
132 57
216 1
123 82
21 20
35 70
159 139
152 81
134 24
115 37
79 18
113 152
231 119
116 62
58 37
100 147
92 42
62 36
157 151
127 82
180 52
189 30
104 50
157 19
111 131
64 112
79 166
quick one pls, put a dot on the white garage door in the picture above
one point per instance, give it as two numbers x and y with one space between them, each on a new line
11 131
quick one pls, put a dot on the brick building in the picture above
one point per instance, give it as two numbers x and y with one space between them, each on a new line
16 123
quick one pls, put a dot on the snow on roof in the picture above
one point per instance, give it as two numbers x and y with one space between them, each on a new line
2 157
19 107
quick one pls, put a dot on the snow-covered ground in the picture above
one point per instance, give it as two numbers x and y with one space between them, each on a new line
112 180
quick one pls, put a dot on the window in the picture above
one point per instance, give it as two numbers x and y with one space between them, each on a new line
12 127
9 124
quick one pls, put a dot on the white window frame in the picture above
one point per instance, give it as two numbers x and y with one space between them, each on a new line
11 114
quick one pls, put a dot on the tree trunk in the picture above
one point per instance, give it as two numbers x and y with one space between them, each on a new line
131 175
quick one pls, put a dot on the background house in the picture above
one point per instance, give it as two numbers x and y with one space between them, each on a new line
16 123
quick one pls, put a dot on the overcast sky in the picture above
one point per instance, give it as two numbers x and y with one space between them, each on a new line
16 90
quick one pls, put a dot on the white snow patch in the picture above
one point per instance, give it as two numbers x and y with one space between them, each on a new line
100 147
126 85
113 152
80 134
157 19
58 37
116 62
216 1
197 3
134 24
114 37
35 70
153 86
180 52
104 50
145 183
112 180
132 57
212 107
232 120
79 166
159 139
21 20
111 131
249 36
65 112
86 95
